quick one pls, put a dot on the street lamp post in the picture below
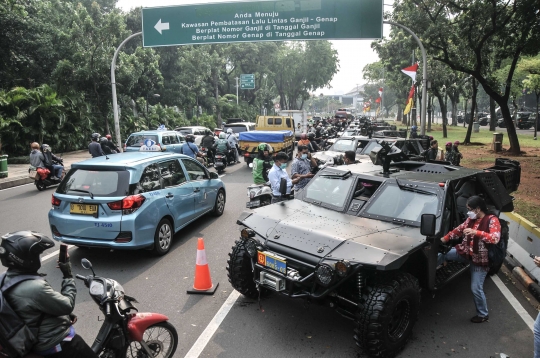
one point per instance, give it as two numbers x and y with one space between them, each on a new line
155 95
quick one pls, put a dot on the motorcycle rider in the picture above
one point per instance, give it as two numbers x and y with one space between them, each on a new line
35 301
262 164
312 143
190 149
110 144
233 141
222 146
56 169
208 142
94 147
104 146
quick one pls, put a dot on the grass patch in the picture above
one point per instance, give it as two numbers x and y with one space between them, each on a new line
484 136
527 210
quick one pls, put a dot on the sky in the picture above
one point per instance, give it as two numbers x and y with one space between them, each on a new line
353 54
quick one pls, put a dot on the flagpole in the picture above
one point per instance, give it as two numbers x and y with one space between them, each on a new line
424 75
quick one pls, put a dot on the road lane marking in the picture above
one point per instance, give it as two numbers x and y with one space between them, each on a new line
53 254
212 327
222 175
514 302
17 186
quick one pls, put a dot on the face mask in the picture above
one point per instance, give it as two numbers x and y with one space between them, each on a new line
283 165
304 156
471 214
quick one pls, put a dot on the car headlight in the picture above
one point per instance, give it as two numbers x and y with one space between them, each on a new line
247 233
324 274
251 247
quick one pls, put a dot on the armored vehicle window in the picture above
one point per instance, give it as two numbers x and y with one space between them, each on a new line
329 190
395 203
343 145
370 146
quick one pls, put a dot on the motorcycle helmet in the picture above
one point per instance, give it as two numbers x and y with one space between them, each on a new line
108 136
45 148
303 136
311 135
263 146
222 135
21 250
229 130
190 138
95 136
103 140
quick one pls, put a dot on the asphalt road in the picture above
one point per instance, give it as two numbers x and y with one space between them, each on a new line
283 327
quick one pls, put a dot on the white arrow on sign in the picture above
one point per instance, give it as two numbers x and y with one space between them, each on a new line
160 26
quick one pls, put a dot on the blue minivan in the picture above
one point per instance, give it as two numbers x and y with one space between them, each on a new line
170 141
136 200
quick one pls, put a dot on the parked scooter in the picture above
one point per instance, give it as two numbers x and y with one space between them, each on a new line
123 333
259 195
42 184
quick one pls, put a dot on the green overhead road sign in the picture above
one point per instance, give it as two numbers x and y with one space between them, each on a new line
247 81
262 21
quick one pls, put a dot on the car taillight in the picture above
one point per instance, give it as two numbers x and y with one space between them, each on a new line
55 201
129 204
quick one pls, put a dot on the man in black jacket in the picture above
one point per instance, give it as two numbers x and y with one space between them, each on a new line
35 301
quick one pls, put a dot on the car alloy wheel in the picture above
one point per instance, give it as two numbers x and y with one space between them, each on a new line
163 237
219 207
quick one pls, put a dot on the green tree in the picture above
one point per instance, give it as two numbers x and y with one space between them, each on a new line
466 35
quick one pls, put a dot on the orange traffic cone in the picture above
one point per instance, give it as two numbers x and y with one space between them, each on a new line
203 281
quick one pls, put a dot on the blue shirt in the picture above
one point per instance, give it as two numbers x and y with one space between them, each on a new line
274 177
189 149
301 166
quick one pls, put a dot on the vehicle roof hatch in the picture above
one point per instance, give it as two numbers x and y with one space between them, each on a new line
495 190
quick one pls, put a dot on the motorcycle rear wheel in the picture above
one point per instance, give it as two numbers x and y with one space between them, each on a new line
40 185
162 339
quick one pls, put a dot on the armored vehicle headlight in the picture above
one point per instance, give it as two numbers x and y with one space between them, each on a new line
342 267
251 248
324 274
247 233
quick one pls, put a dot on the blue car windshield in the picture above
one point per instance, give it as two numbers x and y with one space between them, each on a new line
137 140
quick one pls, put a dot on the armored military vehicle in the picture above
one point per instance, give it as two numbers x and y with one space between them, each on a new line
364 239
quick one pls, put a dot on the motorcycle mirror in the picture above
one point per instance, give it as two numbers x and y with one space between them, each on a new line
251 165
87 265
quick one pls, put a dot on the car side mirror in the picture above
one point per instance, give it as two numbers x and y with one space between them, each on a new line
283 186
428 224
214 175
87 265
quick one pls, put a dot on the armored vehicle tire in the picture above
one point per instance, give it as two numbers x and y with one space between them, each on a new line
387 314
240 272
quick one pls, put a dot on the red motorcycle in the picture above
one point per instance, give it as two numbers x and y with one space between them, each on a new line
125 332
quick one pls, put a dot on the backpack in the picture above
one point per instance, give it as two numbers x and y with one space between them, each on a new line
16 338
497 252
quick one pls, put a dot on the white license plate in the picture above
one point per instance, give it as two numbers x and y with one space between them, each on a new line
253 204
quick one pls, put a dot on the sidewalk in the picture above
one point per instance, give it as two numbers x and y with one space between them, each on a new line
18 173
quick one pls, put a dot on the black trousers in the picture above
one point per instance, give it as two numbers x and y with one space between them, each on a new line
77 347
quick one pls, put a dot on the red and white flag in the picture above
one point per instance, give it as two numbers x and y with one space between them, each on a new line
411 71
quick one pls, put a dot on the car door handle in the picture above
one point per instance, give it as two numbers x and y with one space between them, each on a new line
196 190
169 196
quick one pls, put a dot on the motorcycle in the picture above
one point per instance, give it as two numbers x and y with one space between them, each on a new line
222 160
208 158
42 184
127 334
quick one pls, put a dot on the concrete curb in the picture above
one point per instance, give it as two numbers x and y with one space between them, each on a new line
523 277
15 182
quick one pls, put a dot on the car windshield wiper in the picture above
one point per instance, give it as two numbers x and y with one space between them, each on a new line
82 191
416 190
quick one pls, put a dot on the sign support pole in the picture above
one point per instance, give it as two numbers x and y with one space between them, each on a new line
236 78
424 76
114 99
